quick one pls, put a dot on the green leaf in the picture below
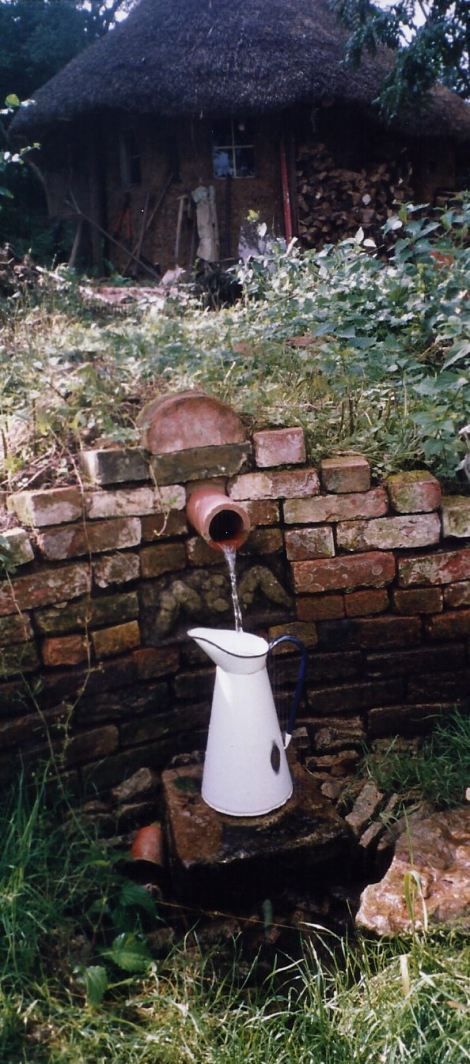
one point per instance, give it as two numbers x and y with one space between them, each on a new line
12 100
96 984
462 351
133 895
129 953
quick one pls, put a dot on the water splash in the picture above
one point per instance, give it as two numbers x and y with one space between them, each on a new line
230 557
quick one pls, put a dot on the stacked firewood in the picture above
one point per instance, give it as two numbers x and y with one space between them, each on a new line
333 203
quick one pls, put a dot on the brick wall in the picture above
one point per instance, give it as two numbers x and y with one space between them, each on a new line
105 578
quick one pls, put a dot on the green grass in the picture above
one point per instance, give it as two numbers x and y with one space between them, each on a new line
63 908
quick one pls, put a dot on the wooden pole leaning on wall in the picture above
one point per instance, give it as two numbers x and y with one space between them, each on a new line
80 214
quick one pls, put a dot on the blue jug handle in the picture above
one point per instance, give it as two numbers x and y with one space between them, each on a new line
300 680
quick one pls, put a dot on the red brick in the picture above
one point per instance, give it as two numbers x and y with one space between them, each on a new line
329 508
307 633
263 541
415 661
158 526
361 603
156 661
304 543
200 553
457 595
116 569
423 600
70 541
65 650
451 625
346 473
404 720
354 696
446 567
116 640
370 632
414 492
320 607
44 588
18 658
456 516
292 484
15 628
279 447
54 506
162 558
122 502
374 569
93 744
390 533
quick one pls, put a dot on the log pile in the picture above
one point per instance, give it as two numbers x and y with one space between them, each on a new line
333 203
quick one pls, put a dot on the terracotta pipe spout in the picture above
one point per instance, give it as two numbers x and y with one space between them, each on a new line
218 519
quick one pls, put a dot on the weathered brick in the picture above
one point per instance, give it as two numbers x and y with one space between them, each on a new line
122 502
421 600
331 508
450 625
320 607
115 466
456 516
191 684
116 640
201 554
303 543
365 570
404 720
108 609
199 462
159 526
88 745
306 632
443 686
414 492
288 484
346 473
17 659
162 558
417 660
169 497
73 540
361 603
44 588
354 696
65 650
116 569
333 667
263 541
156 661
262 512
53 506
370 632
124 704
446 567
22 731
18 547
457 595
274 447
118 674
15 628
390 533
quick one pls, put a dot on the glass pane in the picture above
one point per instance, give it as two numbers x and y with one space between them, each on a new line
222 162
222 132
244 162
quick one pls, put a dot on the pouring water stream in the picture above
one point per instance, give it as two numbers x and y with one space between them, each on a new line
230 554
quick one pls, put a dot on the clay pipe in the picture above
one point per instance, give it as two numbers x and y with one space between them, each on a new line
218 519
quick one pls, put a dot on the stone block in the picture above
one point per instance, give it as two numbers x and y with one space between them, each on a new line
445 567
44 588
201 554
262 512
162 558
52 506
370 632
289 483
440 686
420 600
362 603
124 704
18 659
389 533
101 742
262 541
116 569
18 547
186 420
404 720
450 625
457 595
345 474
374 569
456 516
319 607
414 492
153 662
418 660
365 807
71 541
200 462
163 525
116 640
304 543
355 696
88 612
65 650
115 465
332 508
191 685
15 628
122 502
276 447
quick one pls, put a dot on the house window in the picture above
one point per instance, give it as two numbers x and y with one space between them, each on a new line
129 159
233 153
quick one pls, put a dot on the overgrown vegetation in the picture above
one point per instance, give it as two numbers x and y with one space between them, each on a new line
367 351
79 983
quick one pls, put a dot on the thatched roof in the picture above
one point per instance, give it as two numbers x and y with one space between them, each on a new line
175 57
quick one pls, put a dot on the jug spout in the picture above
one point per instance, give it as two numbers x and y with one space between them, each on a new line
234 652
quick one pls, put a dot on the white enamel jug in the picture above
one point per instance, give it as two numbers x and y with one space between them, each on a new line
245 768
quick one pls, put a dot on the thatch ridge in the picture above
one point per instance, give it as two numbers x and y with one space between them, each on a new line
174 57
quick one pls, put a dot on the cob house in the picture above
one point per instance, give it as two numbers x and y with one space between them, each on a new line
160 138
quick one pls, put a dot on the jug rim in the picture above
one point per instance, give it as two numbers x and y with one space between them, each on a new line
231 653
